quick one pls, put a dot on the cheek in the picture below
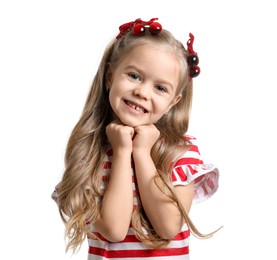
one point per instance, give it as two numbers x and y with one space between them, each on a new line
116 87
113 91
161 107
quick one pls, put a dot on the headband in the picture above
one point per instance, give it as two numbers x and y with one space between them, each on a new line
138 28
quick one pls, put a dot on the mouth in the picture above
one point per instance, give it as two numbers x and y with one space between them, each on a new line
136 106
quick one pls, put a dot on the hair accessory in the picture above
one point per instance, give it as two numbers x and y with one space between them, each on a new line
138 27
192 58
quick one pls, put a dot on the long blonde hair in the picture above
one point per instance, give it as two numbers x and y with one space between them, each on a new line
80 196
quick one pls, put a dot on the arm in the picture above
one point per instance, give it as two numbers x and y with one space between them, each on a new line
117 204
163 214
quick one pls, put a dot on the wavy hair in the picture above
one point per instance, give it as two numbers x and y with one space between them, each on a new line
80 196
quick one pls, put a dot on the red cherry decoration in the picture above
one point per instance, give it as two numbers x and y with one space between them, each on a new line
138 30
194 71
155 28
138 27
193 60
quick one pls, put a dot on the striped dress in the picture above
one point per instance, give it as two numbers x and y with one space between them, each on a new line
189 167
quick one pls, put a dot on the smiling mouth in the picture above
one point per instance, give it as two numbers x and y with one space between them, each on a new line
135 106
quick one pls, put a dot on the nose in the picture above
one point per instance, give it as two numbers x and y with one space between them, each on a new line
142 91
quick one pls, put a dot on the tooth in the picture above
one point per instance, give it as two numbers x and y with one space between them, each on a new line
134 106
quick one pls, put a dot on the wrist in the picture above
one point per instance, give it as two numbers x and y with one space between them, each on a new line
122 152
141 152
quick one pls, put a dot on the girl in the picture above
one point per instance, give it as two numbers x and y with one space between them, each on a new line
131 171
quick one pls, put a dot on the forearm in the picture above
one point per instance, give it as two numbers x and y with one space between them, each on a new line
162 212
117 204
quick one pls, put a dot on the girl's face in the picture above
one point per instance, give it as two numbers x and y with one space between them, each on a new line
143 86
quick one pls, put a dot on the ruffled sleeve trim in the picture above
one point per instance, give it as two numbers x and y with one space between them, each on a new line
190 167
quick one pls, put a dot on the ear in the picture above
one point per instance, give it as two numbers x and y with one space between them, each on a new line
174 101
109 78
177 99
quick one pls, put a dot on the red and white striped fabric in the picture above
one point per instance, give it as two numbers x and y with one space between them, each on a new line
189 167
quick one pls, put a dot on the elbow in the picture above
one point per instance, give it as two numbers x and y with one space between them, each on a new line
115 234
115 238
111 230
168 235
168 232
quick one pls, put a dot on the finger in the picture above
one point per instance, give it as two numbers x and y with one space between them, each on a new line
132 132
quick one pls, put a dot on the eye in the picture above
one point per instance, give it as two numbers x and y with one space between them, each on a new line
134 76
161 88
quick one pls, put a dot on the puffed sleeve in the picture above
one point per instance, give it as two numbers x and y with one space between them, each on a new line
54 194
190 167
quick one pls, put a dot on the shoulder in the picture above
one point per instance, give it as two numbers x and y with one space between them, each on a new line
191 139
193 150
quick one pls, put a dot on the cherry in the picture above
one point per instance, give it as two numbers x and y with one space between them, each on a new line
193 60
155 28
138 29
194 71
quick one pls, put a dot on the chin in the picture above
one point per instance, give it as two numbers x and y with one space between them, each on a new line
131 122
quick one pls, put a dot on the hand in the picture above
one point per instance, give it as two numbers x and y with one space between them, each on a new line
145 137
120 136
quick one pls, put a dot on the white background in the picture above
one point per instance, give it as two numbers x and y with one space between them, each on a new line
49 53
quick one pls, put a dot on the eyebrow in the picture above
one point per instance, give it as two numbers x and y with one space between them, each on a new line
162 81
